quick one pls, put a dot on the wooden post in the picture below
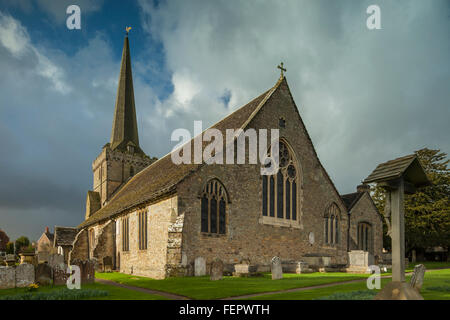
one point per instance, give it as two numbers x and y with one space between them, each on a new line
398 232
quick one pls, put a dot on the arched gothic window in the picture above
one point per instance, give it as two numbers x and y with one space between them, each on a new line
364 236
279 191
331 224
213 208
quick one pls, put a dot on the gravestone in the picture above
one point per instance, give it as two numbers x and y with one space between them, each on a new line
277 270
359 261
56 260
7 277
241 269
10 260
303 267
417 277
43 274
200 267
107 264
60 275
87 270
24 275
217 270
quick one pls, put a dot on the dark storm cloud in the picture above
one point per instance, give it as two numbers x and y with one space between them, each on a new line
365 96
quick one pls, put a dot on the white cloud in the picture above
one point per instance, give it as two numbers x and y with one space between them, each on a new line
364 95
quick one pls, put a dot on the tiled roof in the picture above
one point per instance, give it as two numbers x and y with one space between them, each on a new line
161 177
408 166
64 236
351 199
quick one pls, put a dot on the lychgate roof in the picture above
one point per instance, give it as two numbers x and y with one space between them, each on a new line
64 236
408 167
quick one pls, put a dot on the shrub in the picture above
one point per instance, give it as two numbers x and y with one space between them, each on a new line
62 294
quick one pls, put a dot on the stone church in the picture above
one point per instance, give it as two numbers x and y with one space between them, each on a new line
154 218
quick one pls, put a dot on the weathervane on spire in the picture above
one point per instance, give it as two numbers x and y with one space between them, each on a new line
282 69
127 29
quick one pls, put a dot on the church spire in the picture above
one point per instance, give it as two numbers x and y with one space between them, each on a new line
124 130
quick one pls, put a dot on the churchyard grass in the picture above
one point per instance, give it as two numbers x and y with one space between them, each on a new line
436 287
204 288
114 293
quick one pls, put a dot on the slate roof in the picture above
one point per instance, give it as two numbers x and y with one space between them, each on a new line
408 166
50 236
162 176
64 236
351 199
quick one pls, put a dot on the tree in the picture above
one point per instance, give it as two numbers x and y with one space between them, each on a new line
22 242
10 248
427 212
4 239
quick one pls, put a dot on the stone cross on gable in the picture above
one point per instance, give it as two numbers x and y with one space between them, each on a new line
282 69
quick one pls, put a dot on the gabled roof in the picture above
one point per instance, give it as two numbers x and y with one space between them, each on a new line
49 235
351 199
64 236
161 177
408 166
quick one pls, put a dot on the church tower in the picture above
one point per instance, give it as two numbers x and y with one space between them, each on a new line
122 157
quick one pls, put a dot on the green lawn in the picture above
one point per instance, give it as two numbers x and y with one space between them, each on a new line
204 288
436 287
114 293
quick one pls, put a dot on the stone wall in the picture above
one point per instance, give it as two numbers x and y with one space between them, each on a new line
80 248
364 211
150 262
247 235
105 245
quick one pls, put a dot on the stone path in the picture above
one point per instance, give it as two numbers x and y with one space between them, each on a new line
171 296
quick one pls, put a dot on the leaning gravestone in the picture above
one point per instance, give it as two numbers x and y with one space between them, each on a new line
7 277
217 270
200 267
277 270
43 274
24 275
417 277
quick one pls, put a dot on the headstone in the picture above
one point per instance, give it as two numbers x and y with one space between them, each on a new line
56 260
199 267
241 269
60 276
107 264
43 274
359 261
417 277
24 275
217 270
277 270
303 267
87 270
7 277
10 260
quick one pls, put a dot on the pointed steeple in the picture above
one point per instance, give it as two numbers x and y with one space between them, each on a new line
124 129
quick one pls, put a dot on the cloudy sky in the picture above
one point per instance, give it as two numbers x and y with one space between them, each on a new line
366 96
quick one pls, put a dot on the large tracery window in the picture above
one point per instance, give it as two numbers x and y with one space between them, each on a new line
213 208
331 223
279 191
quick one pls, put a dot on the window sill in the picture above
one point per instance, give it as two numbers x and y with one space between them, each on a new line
273 221
213 235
